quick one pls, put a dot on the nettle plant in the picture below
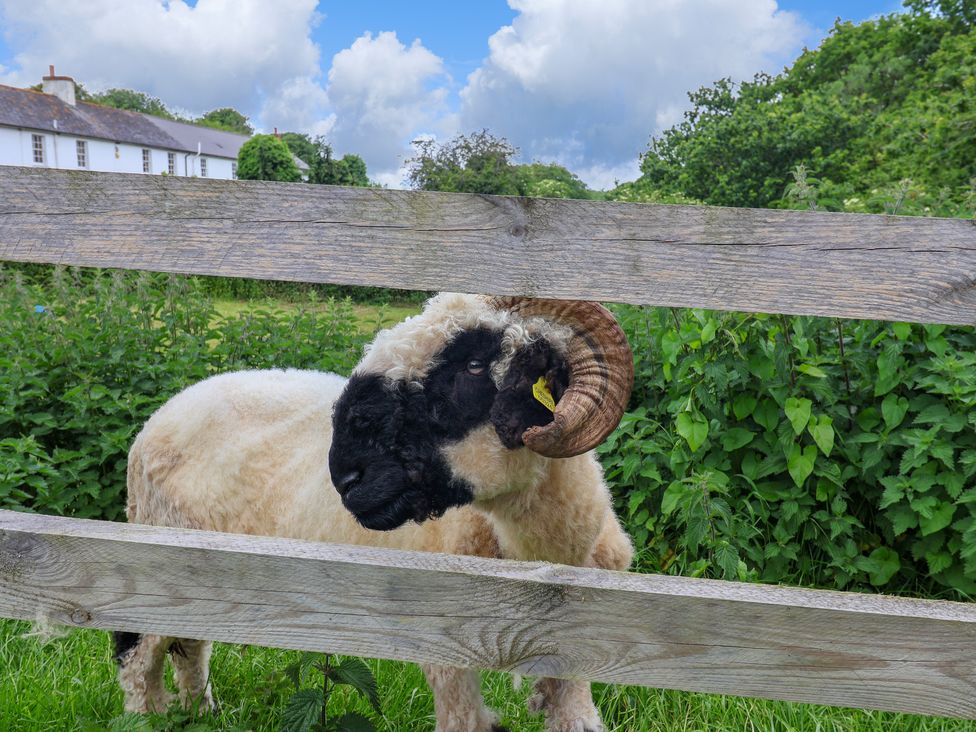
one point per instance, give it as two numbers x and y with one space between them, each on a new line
87 355
308 708
808 450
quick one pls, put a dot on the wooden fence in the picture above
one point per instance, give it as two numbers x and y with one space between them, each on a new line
847 649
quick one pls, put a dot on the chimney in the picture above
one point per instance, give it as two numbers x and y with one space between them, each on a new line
63 87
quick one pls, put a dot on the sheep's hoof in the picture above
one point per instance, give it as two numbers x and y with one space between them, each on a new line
499 728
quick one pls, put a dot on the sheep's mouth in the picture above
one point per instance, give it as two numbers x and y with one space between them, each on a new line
385 510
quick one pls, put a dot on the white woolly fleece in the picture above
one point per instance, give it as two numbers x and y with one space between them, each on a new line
246 452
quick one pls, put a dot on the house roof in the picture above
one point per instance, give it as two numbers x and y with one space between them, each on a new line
217 143
39 111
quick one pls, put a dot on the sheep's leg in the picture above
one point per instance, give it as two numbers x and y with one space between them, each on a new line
458 704
142 662
568 705
191 667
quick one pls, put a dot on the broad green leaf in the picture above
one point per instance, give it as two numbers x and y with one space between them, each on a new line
693 428
672 496
805 368
708 331
822 431
901 330
353 722
867 419
727 558
130 722
766 414
302 710
735 438
295 671
825 490
938 346
798 412
893 410
883 564
357 674
902 519
671 346
800 462
894 490
888 365
933 413
938 561
953 483
940 518
743 404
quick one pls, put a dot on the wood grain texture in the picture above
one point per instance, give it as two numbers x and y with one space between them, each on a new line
796 262
865 651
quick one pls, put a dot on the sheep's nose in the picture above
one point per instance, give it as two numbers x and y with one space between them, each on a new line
347 481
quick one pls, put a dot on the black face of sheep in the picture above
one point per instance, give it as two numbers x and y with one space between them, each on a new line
386 459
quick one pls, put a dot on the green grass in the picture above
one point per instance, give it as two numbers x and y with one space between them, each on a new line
369 318
68 683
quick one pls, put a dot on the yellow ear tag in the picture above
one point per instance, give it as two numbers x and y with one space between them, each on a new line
542 395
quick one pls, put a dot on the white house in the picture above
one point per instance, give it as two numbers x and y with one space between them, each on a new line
52 129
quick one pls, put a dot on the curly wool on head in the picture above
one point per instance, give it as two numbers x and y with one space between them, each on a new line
439 418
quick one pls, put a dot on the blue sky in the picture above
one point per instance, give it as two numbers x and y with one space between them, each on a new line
580 82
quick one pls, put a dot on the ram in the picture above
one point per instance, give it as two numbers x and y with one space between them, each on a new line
479 412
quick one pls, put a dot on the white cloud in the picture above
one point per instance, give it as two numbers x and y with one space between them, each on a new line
587 83
216 53
255 55
580 82
383 94
299 105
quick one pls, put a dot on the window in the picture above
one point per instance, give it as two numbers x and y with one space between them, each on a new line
233 170
82 149
171 163
37 142
146 161
203 167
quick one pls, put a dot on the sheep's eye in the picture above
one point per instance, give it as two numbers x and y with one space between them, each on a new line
476 367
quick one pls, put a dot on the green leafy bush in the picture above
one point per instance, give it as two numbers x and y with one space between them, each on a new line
265 157
87 356
805 450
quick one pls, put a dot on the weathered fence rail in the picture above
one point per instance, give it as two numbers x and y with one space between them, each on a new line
804 645
797 262
541 619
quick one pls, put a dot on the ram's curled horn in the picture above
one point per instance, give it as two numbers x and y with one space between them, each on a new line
601 375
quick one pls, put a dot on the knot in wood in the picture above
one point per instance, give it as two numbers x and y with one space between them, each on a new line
518 230
15 550
80 616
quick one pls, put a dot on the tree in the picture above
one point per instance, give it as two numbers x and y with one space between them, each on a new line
548 180
882 115
265 157
323 168
133 101
479 163
227 119
960 13
350 170
308 150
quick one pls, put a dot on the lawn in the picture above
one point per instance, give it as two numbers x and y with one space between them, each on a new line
369 318
66 682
